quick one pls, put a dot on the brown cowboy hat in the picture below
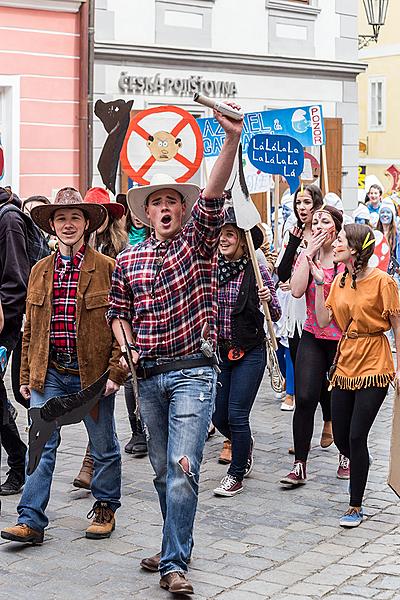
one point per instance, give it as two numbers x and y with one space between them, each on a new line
68 197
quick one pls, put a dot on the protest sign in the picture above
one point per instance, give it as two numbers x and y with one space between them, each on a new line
304 123
162 139
279 155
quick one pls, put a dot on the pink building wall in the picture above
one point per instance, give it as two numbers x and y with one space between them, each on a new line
42 48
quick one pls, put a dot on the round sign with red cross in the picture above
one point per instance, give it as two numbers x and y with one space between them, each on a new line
164 139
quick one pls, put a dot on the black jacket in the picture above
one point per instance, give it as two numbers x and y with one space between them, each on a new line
14 271
247 319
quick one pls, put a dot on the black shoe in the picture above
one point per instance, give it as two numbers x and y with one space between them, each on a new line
13 484
137 445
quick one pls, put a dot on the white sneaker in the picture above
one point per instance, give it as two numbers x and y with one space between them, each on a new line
287 407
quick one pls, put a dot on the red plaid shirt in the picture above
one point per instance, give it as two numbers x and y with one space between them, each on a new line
63 318
168 289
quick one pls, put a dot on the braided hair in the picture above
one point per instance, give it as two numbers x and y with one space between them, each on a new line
356 235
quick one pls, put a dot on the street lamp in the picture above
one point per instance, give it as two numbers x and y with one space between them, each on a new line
376 11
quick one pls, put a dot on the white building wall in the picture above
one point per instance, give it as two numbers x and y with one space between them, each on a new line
323 33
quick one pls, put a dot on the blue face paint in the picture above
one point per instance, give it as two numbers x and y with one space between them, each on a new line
385 216
286 212
361 221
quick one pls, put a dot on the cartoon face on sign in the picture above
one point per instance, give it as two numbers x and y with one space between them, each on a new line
163 145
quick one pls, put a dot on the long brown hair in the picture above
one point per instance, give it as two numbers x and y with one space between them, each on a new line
113 239
391 236
357 236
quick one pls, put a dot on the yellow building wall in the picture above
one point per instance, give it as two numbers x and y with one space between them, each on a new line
381 145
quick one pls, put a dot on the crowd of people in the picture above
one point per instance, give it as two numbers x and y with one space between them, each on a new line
163 279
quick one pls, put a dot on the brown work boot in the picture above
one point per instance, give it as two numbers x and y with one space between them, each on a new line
22 533
151 563
225 458
84 478
103 523
176 583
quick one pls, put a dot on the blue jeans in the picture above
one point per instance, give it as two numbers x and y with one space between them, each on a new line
176 409
240 380
104 448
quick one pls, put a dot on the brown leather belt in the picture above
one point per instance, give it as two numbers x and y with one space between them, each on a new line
353 335
63 370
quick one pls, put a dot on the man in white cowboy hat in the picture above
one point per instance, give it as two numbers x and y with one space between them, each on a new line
164 295
67 300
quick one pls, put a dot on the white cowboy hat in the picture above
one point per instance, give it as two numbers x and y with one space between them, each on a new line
136 197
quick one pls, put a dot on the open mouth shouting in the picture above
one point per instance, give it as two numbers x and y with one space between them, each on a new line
166 220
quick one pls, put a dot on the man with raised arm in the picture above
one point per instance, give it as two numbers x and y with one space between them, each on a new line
164 296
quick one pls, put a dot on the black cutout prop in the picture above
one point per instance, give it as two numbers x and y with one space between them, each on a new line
58 411
115 117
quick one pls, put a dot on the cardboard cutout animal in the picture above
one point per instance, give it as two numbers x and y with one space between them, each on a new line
115 117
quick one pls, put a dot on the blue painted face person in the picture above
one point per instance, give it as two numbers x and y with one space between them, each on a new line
286 211
385 216
361 221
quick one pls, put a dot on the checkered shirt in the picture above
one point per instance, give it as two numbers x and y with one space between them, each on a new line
168 289
63 318
227 296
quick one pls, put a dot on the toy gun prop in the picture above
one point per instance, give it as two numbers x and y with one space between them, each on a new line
58 411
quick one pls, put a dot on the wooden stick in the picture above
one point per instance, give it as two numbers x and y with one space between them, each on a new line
260 284
269 207
325 168
276 212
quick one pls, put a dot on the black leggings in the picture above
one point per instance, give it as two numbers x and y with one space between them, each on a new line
353 414
325 398
314 358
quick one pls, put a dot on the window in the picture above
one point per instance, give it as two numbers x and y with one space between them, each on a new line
184 23
376 104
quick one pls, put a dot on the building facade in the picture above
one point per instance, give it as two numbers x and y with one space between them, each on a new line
40 62
378 89
265 53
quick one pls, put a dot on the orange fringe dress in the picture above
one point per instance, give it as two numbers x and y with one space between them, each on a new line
366 360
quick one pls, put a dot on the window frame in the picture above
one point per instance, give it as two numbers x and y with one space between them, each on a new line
372 123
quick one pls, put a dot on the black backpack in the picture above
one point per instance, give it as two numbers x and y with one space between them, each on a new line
37 246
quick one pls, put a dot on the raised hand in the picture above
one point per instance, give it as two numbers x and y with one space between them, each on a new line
230 126
316 270
297 232
318 239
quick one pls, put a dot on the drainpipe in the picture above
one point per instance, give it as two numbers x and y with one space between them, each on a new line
86 95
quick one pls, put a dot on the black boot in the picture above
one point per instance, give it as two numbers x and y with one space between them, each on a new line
137 445
13 484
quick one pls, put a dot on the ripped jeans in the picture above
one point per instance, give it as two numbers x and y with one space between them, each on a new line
176 409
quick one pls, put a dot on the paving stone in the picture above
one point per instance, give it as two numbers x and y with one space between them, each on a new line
264 543
387 583
259 586
310 589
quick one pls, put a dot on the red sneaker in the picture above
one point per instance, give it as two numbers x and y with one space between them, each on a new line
343 471
297 475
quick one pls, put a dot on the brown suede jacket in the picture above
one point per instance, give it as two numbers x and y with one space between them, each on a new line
96 348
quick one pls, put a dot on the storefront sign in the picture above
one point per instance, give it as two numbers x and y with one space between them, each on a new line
176 86
305 123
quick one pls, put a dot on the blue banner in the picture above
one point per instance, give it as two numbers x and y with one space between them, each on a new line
304 123
278 155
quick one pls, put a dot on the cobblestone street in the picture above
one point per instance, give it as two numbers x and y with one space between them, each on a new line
267 542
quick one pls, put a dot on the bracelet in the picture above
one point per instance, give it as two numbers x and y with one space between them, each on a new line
131 346
319 282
